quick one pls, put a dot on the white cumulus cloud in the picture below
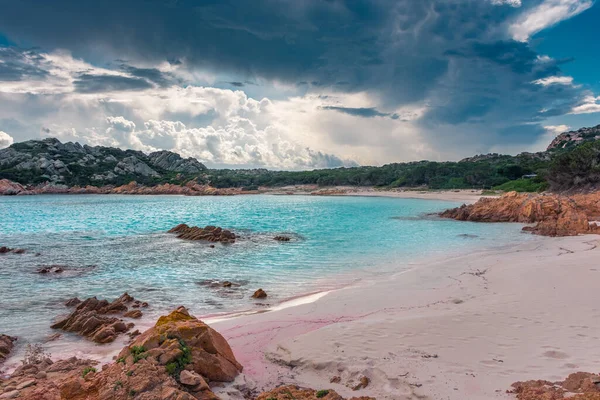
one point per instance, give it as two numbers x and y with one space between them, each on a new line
5 140
590 104
555 80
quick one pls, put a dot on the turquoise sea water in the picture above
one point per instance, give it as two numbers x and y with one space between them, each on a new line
112 244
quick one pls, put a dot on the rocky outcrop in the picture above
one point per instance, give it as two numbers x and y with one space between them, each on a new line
190 188
45 380
6 346
95 319
208 233
573 138
295 392
554 215
69 163
183 342
9 188
177 359
577 386
170 161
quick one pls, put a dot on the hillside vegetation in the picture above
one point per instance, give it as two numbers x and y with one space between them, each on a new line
572 162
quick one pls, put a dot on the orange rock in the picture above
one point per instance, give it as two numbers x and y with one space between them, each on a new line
554 215
6 346
211 356
154 366
295 392
577 386
92 319
259 294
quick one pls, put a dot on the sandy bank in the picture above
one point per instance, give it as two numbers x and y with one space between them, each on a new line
465 196
463 328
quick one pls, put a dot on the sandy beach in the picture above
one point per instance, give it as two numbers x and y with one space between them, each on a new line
467 196
460 328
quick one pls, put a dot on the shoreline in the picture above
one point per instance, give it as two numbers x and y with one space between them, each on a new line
448 328
465 196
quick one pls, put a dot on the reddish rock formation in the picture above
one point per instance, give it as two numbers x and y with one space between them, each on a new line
211 356
174 360
8 188
133 314
259 294
294 392
191 188
554 215
6 346
208 233
577 386
72 302
93 319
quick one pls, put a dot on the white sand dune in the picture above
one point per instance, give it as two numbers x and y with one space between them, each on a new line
461 328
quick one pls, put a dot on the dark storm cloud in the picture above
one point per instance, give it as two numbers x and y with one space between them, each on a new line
88 83
361 112
454 54
150 74
237 84
17 64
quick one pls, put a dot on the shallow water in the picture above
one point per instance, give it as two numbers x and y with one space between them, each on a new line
115 243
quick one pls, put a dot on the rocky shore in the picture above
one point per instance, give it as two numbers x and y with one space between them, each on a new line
552 214
179 358
96 319
192 188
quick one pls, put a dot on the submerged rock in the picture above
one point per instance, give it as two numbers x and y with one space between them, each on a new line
5 250
259 294
93 318
209 233
6 346
56 269
72 302
282 238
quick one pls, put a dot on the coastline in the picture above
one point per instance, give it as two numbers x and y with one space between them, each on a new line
466 327
9 188
460 325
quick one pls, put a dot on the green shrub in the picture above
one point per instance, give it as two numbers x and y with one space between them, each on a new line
139 353
87 370
322 393
524 185
175 367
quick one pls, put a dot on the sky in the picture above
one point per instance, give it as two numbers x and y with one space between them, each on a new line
288 84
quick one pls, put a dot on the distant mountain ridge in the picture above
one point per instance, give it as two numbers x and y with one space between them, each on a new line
572 162
36 161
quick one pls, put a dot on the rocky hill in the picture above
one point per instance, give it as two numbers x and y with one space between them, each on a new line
571 139
49 160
